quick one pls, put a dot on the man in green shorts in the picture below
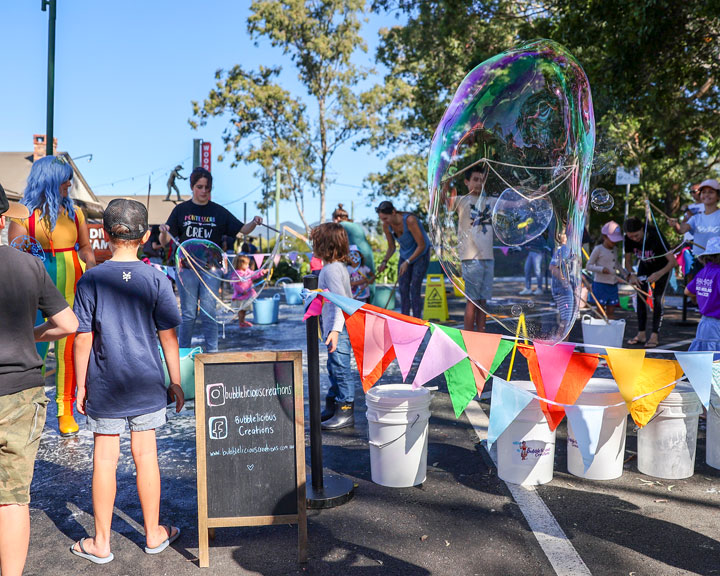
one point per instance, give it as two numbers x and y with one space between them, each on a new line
25 288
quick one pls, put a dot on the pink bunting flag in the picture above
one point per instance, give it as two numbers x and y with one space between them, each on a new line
377 342
441 353
406 339
258 259
314 308
276 259
504 250
553 362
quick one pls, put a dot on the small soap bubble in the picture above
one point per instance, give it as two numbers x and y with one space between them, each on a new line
29 245
601 200
530 304
516 310
518 217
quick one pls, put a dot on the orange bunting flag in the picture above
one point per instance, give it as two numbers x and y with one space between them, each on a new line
355 325
579 370
482 348
639 376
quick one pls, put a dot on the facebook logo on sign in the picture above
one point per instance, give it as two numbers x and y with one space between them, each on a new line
218 428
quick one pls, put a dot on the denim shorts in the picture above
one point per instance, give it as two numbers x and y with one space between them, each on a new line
22 417
139 423
478 277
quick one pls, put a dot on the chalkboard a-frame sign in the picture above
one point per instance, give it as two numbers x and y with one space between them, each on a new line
250 437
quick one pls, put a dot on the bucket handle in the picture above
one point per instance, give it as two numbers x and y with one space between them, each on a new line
417 417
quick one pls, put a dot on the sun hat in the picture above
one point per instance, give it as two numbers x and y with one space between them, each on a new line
711 183
613 231
713 246
128 213
354 248
11 209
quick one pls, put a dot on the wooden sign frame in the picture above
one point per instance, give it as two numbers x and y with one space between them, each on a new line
205 524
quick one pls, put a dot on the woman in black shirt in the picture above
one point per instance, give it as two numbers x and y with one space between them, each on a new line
655 262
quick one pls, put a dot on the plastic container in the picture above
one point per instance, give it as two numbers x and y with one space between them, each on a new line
526 449
384 297
666 444
712 440
265 310
597 331
187 370
398 434
610 453
292 293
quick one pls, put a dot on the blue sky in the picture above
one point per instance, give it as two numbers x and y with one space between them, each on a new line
125 74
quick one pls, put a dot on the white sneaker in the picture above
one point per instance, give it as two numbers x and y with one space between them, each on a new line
525 291
538 292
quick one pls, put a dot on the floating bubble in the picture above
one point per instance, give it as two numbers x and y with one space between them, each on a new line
29 245
203 260
517 220
510 165
601 200
530 304
516 310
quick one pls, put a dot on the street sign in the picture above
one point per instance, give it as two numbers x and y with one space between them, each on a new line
624 176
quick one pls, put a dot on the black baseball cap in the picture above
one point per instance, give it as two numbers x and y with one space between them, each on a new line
130 214
11 209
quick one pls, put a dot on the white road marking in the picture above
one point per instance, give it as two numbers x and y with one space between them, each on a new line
557 547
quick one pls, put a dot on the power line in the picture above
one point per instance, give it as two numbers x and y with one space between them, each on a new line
151 172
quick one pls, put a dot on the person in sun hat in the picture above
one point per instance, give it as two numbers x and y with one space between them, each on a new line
23 403
603 263
706 288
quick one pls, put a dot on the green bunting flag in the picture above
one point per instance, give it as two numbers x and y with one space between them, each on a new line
460 379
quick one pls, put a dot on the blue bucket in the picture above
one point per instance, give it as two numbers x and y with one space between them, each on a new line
384 297
292 293
265 310
187 370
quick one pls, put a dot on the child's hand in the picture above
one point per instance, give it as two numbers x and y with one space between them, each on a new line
176 394
263 272
80 399
332 341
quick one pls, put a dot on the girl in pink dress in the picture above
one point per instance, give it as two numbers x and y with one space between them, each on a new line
243 289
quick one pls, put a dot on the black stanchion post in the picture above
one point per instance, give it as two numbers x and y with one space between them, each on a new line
325 490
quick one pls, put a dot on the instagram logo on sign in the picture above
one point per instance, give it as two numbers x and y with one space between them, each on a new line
215 394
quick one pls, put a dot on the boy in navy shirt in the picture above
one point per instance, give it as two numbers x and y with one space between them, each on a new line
124 307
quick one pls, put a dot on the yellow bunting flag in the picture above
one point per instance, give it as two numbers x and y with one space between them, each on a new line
636 376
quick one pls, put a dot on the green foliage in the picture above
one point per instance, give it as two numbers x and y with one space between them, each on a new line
653 67
275 131
285 270
390 274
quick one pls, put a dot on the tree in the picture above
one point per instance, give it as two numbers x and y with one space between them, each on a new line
653 67
270 128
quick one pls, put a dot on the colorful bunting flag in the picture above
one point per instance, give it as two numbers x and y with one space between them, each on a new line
441 354
481 347
698 368
355 325
579 370
347 305
459 378
313 306
406 339
506 403
642 378
553 362
258 259
503 350
377 343
586 422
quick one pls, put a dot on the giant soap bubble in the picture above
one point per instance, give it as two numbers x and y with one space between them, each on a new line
508 175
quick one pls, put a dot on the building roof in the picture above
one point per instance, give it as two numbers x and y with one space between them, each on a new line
158 209
15 168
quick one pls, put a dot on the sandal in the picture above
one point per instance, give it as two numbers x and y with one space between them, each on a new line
652 343
635 340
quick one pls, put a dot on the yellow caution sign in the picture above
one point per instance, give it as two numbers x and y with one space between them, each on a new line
456 290
435 299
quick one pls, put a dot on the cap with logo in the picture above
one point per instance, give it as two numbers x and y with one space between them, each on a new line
127 213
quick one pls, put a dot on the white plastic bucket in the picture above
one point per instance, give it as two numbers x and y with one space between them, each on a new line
398 434
666 444
600 333
610 453
712 439
526 449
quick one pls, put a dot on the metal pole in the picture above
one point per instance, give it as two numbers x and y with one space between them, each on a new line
325 490
627 200
277 198
49 137
312 325
196 152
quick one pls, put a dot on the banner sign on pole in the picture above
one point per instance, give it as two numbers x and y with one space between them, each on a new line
205 156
